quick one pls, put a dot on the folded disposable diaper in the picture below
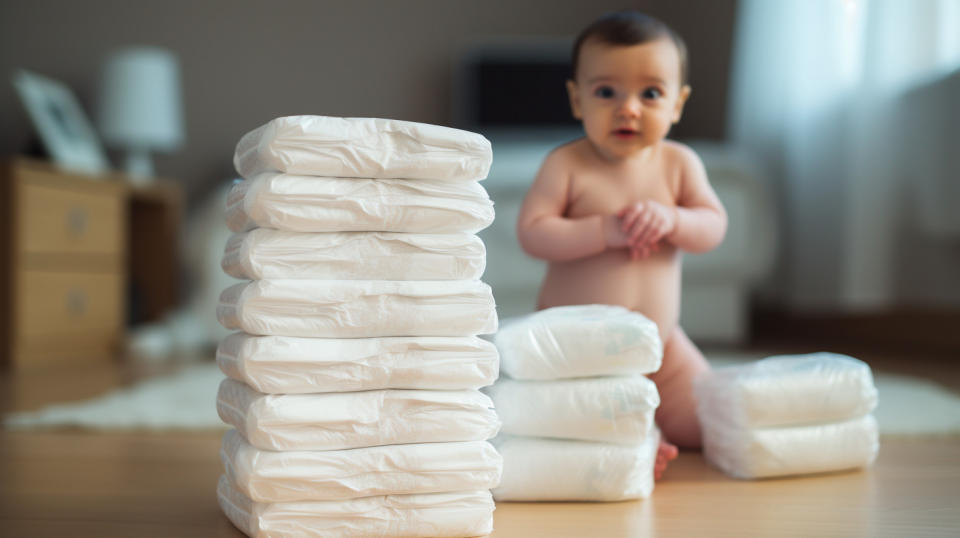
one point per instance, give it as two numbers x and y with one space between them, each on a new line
315 204
342 420
786 390
363 147
610 409
468 513
561 470
359 308
328 475
767 452
292 365
579 341
266 253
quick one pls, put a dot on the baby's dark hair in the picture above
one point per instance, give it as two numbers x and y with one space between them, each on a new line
629 28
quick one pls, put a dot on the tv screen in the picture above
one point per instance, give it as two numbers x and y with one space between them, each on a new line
519 84
522 94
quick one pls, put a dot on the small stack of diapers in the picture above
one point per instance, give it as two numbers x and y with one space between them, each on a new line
353 386
788 415
577 410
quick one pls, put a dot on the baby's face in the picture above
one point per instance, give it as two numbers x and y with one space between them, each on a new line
627 96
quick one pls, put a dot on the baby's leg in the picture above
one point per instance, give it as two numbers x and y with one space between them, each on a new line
677 414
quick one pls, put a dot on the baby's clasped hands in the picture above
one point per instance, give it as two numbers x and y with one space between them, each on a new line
644 224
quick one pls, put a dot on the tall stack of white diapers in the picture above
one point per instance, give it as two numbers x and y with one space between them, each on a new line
788 415
353 387
577 410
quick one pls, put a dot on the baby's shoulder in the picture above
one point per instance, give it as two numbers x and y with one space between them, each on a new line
679 154
570 153
564 161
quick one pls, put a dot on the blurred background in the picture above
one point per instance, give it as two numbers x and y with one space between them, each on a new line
829 129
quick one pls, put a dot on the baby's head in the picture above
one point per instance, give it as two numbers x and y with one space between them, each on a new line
629 82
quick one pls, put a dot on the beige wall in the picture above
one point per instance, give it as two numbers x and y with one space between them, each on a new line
246 62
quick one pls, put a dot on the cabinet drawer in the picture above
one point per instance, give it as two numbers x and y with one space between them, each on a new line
64 304
70 222
39 353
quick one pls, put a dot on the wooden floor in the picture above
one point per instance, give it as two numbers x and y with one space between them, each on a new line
148 484
144 485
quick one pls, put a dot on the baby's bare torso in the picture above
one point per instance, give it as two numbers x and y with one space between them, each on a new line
649 285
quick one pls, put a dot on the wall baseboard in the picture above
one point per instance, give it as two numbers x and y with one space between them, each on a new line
905 330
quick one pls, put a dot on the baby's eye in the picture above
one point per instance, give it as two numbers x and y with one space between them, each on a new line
652 93
603 92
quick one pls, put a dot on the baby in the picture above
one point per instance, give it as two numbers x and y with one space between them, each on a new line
611 212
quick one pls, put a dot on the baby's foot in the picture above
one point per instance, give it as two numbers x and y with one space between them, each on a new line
665 454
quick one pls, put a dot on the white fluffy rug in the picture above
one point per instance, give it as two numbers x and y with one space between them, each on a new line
908 406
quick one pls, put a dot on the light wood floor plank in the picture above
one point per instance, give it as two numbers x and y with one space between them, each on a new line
140 484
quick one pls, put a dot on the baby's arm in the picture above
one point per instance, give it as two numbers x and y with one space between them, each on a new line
543 230
701 219
697 223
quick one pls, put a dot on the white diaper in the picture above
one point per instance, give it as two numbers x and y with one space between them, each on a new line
607 409
579 341
363 147
767 452
329 475
786 390
321 204
291 365
342 420
266 253
458 514
558 470
359 308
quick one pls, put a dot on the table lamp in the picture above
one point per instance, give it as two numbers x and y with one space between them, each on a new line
140 106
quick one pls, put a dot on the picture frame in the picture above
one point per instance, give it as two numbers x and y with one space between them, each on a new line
61 123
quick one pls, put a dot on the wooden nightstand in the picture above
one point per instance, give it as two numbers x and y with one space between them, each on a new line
66 265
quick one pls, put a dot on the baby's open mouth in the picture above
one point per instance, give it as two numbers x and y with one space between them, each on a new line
625 133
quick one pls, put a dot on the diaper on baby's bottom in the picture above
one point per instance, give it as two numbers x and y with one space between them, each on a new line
265 253
342 420
579 341
608 409
460 514
293 365
359 308
768 452
787 390
363 147
326 204
327 475
559 470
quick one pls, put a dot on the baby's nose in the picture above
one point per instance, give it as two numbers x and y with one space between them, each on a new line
630 107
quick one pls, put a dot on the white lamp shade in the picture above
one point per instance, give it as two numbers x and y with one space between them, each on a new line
140 106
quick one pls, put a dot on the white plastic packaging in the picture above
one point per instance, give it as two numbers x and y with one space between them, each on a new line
561 470
330 475
786 390
359 308
606 409
793 450
342 420
266 253
579 341
323 204
457 514
292 365
363 147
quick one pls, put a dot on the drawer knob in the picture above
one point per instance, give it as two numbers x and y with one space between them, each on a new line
76 302
77 221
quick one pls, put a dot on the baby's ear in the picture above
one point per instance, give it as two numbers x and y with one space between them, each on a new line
573 92
681 100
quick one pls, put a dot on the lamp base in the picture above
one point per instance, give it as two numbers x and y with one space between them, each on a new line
139 166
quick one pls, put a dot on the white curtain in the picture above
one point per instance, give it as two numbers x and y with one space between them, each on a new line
821 93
